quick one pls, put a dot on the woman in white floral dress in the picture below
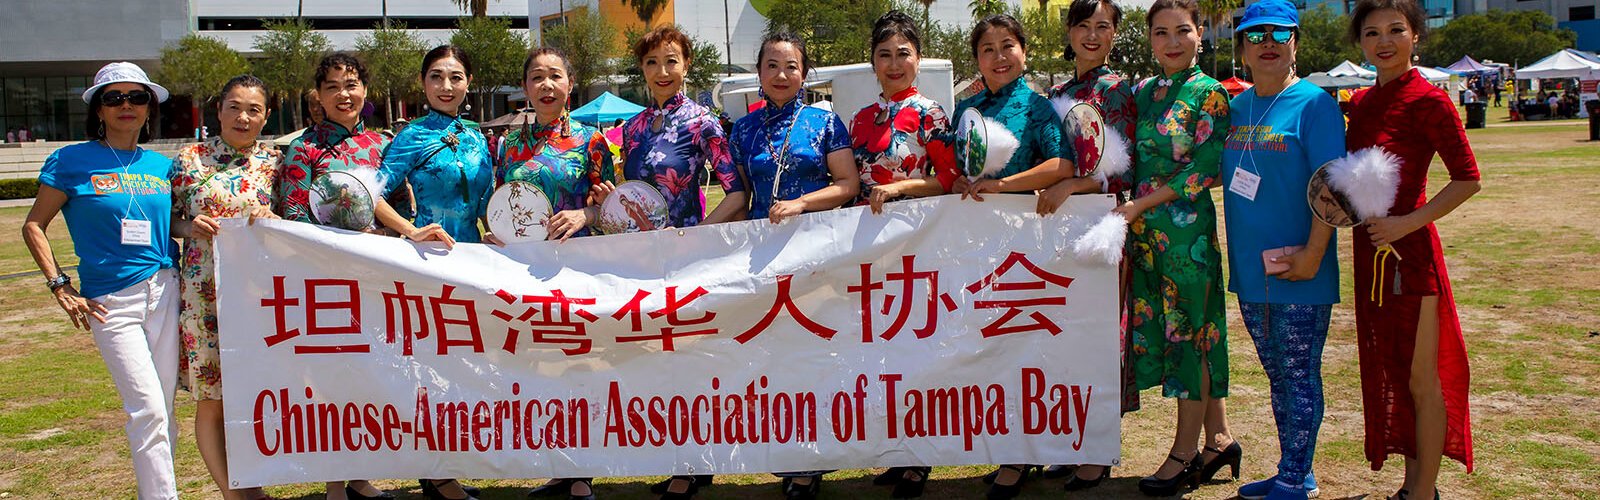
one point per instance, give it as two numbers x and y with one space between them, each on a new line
230 175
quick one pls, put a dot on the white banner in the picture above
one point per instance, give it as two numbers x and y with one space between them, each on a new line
941 332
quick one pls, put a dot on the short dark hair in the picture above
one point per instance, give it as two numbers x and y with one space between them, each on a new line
92 125
442 52
1004 21
785 36
545 51
243 81
1409 8
1190 6
894 23
663 34
339 60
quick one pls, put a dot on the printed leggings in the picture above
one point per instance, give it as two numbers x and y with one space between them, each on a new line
1289 340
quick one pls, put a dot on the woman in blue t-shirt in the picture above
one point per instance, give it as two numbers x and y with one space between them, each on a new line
1283 130
118 206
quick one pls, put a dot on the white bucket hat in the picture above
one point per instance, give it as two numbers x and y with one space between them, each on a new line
119 72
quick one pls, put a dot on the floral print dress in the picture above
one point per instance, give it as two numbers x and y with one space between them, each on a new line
1177 308
446 162
798 136
563 158
326 147
899 138
668 146
215 180
1113 96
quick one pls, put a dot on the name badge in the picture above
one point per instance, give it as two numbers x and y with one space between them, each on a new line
136 233
1244 183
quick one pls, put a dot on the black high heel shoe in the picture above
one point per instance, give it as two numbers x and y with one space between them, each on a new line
797 491
699 482
1188 477
999 491
911 488
430 490
1230 456
1403 494
352 494
989 478
1075 483
889 477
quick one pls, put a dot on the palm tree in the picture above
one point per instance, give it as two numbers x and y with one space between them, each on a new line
646 9
985 8
478 8
927 9
1215 12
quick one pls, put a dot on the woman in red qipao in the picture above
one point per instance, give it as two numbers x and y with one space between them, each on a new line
1413 357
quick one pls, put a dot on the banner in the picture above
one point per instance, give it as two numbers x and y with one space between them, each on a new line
941 332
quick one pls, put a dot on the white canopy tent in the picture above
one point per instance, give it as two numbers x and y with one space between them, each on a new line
1434 74
1568 63
1348 68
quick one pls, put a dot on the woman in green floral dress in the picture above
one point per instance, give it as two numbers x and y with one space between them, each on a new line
1179 330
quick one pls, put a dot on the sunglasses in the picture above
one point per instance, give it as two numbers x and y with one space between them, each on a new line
114 98
1258 37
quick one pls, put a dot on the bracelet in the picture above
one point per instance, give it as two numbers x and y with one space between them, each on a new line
57 282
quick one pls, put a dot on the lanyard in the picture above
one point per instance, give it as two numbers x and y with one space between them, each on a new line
780 158
1253 134
127 175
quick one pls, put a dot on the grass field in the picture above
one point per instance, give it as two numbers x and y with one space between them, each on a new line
1524 256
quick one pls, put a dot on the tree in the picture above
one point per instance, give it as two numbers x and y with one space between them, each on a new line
478 8
199 66
985 8
590 43
497 54
948 41
289 51
1219 54
1518 37
1130 51
835 31
1216 13
1047 41
393 56
646 9
927 12
1322 44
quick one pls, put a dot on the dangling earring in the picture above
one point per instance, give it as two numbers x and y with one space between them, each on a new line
102 130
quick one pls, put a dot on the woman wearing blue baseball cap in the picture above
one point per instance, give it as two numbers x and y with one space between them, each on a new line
1286 279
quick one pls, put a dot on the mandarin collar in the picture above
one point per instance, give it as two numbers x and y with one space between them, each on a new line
774 112
1092 74
672 103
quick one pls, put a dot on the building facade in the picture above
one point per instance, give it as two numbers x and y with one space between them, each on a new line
52 48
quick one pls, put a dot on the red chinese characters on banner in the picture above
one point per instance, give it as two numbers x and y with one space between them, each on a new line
400 308
1013 307
908 278
549 321
346 313
784 303
676 324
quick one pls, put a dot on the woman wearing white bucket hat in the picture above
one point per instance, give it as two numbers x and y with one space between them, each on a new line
118 206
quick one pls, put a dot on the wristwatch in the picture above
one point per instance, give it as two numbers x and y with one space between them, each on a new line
57 282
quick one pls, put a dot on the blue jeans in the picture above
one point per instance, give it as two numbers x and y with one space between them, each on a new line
1289 339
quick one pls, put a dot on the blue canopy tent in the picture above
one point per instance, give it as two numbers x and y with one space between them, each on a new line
606 109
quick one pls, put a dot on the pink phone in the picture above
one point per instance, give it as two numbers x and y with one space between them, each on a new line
1273 253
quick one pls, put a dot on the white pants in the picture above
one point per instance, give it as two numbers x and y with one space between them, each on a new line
139 343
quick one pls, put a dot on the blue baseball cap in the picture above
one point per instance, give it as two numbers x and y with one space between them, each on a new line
1270 13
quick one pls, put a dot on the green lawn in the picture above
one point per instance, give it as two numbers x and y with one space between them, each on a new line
1524 256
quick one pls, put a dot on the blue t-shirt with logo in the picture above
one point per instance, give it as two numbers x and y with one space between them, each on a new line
1283 139
100 194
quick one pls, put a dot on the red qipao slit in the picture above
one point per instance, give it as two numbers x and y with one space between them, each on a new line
1412 119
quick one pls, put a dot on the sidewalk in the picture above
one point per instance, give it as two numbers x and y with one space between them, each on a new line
26 202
